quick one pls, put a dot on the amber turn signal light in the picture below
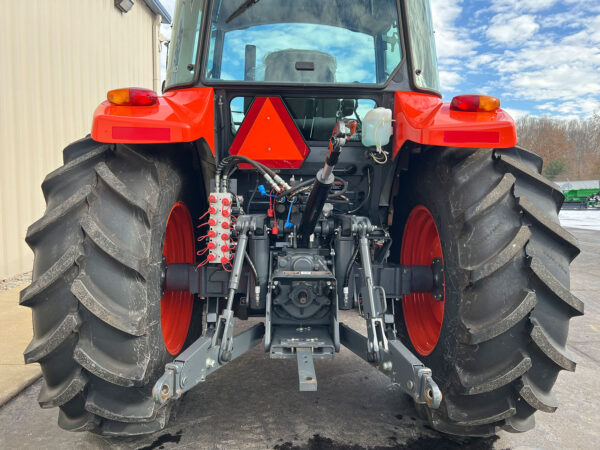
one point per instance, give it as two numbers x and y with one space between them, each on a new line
475 103
132 97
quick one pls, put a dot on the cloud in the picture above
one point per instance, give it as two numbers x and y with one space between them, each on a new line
550 59
514 6
584 106
512 30
449 39
517 113
449 80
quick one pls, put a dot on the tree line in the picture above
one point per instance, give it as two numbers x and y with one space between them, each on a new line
570 148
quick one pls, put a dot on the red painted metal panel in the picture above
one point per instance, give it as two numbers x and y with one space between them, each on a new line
182 115
425 119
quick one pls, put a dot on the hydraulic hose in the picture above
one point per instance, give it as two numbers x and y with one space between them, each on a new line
224 167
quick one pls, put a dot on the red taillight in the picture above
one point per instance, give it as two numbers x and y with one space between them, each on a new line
475 103
132 97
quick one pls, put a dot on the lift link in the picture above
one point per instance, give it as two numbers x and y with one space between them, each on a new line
374 314
223 336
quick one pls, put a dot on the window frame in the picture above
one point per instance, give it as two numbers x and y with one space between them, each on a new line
242 83
199 54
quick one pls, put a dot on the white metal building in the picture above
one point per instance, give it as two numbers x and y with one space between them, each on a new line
59 60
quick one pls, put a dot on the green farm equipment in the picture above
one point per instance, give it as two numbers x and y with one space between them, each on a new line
581 198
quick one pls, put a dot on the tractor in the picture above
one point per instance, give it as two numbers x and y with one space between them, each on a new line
300 163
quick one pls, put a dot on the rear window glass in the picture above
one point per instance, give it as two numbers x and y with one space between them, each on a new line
304 41
314 117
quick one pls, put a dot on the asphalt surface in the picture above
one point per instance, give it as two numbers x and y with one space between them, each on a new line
254 402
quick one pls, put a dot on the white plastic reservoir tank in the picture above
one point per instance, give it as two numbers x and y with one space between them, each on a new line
377 127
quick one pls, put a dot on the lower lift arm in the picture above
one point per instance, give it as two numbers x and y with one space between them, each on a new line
218 346
384 352
399 364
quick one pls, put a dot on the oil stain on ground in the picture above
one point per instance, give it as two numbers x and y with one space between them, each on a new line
318 442
163 439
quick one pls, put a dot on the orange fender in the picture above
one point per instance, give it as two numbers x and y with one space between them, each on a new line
426 120
182 115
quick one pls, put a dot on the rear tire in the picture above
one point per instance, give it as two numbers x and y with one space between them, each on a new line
507 301
96 290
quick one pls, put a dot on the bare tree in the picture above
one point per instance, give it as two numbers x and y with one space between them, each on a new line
576 143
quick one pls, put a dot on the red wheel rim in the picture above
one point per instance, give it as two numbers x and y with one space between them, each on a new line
176 306
423 315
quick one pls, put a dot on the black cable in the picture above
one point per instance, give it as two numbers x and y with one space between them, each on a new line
261 167
254 192
349 268
358 119
355 210
252 266
227 163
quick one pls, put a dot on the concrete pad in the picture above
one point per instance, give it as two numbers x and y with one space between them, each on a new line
15 334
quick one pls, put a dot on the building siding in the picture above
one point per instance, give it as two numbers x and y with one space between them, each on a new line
62 58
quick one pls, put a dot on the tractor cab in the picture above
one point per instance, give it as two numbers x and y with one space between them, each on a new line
333 43
285 73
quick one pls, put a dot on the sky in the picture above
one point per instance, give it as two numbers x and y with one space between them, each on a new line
540 57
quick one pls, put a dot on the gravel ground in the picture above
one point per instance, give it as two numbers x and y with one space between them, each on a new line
15 281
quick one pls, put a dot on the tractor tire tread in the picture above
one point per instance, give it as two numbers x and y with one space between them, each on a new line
504 256
534 397
556 287
480 414
111 247
502 189
482 332
517 168
42 346
55 216
61 394
558 233
32 293
105 308
496 378
550 348
119 188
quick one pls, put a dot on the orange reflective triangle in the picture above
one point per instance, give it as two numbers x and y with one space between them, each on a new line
269 135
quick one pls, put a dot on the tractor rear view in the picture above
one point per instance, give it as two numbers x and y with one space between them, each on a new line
300 163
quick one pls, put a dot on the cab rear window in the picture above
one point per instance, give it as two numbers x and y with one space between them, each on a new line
314 117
